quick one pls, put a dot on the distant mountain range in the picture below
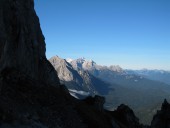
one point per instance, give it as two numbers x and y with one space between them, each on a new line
79 82
158 75
140 89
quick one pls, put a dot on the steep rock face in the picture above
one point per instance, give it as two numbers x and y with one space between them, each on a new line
73 79
162 118
65 70
79 79
22 45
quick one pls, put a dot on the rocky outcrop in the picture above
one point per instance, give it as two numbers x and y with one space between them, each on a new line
125 116
162 118
22 46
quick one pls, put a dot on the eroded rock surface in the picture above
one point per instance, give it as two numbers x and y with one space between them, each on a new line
22 46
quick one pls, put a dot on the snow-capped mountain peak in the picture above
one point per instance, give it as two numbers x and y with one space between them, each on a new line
69 60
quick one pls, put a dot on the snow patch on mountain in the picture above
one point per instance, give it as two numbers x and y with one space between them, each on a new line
69 60
79 92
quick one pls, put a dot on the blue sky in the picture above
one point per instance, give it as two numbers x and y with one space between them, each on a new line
131 33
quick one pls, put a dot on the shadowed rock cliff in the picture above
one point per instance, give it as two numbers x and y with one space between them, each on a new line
162 118
22 45
126 116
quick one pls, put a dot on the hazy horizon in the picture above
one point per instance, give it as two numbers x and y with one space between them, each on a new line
132 34
114 64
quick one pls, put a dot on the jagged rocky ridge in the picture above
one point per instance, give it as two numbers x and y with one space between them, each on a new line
70 77
162 118
30 92
79 80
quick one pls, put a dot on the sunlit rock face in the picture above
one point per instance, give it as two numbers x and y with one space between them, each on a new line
22 45
78 81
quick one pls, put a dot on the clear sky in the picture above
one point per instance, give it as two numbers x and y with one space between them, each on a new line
134 34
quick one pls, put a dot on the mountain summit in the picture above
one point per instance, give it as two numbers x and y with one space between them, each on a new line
78 80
